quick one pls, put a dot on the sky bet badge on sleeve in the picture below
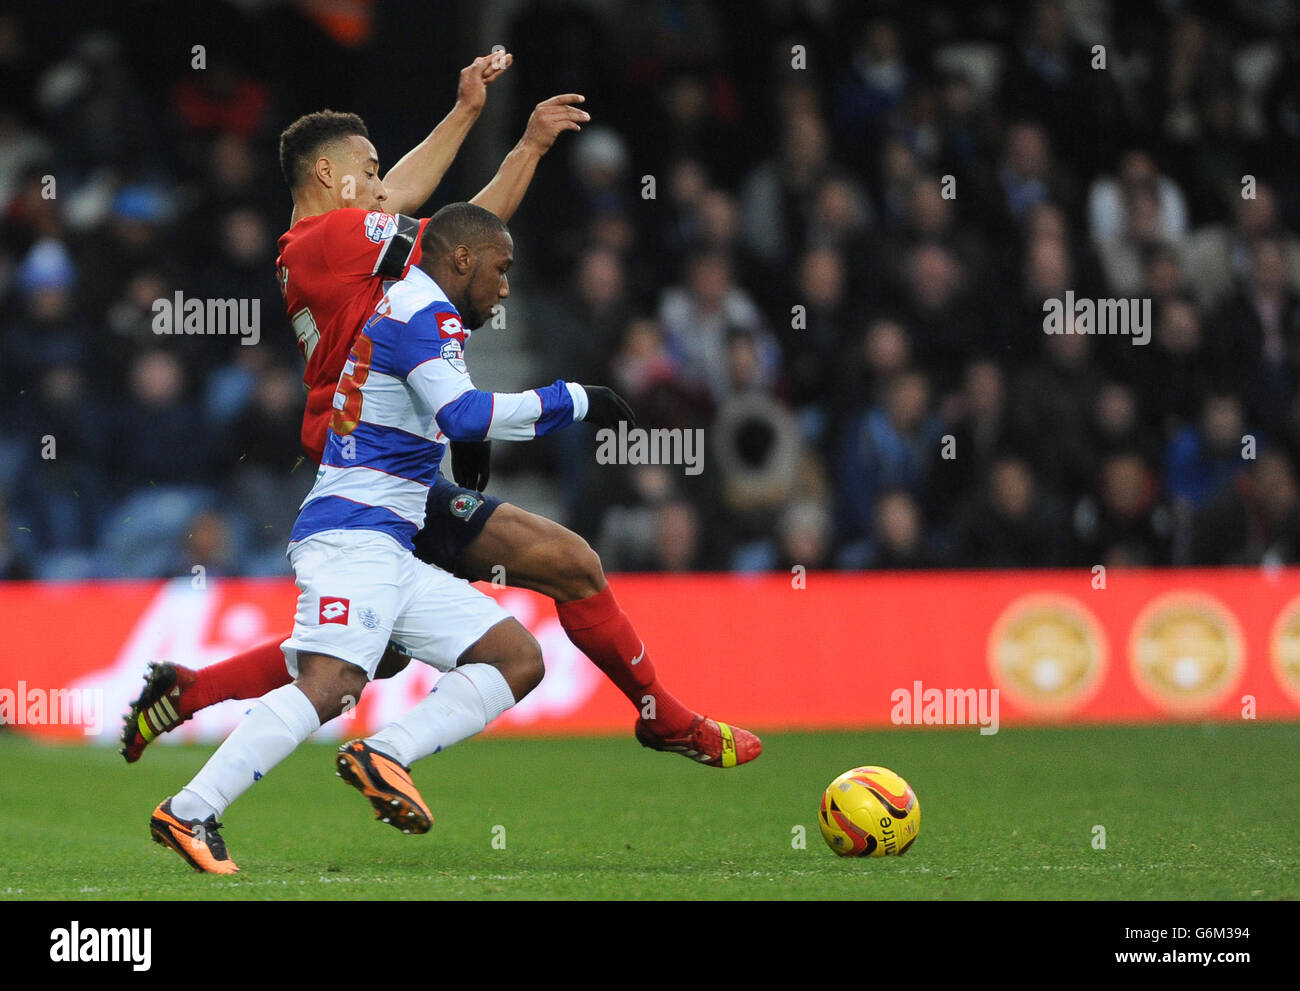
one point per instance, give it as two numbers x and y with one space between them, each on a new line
453 353
380 226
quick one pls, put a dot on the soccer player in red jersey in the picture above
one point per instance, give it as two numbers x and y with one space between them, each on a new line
348 234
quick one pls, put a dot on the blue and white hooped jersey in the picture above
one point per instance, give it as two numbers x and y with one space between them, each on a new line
403 395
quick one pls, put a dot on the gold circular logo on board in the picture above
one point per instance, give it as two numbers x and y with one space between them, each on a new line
1047 653
1285 649
1186 652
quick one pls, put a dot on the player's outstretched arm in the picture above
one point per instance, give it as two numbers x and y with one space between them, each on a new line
478 415
506 190
441 383
413 179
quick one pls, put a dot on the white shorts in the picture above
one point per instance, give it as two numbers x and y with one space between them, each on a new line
358 589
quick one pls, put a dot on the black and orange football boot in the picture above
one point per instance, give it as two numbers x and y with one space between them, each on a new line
387 784
199 843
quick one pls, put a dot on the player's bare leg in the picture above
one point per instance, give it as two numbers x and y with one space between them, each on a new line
490 676
513 651
545 557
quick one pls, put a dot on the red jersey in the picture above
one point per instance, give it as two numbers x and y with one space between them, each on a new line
331 270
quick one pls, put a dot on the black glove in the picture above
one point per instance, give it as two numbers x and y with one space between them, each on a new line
471 463
605 407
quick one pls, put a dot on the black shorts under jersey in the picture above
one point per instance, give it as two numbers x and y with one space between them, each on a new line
453 517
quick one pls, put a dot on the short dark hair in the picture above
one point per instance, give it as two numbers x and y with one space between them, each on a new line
460 223
301 141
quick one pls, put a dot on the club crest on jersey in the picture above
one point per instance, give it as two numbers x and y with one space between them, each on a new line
380 226
453 353
369 618
464 505
333 610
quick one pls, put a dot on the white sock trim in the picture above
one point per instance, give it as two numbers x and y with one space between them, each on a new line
395 741
189 804
460 705
294 708
492 687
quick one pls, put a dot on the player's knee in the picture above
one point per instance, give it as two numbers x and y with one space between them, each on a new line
523 667
347 690
331 685
578 568
513 651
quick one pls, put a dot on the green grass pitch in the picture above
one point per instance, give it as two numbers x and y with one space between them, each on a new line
1189 812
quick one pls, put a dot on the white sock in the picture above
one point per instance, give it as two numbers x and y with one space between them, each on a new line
456 709
277 723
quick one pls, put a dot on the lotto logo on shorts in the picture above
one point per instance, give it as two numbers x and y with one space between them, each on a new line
333 610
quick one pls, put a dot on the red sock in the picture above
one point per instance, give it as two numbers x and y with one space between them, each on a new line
249 675
602 631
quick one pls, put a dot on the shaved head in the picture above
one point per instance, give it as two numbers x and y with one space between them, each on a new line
461 223
467 251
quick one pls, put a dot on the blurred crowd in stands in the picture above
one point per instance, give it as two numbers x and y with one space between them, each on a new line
821 232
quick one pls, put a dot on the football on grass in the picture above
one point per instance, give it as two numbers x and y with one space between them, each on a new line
869 812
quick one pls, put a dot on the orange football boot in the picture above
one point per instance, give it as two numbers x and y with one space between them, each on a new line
387 784
199 843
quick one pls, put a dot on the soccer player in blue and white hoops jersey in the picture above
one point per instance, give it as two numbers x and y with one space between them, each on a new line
404 394
407 372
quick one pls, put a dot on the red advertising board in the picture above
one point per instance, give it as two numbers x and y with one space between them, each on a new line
775 652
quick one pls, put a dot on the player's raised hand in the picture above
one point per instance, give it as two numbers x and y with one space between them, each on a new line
552 116
605 407
475 77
